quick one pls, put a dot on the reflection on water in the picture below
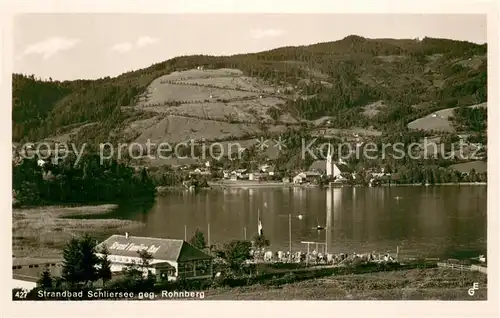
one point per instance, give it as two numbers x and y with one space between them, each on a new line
431 221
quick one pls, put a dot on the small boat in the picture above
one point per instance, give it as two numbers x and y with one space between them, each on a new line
319 227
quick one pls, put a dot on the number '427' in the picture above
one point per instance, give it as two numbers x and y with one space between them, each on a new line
21 294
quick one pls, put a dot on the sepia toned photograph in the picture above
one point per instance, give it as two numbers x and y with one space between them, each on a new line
249 157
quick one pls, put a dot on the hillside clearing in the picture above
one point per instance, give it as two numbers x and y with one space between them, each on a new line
244 83
206 104
371 110
438 121
466 167
159 93
334 132
242 111
174 129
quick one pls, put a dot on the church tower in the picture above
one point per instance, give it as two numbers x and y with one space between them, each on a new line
329 161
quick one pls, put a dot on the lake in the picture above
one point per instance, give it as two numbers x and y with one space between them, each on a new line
434 221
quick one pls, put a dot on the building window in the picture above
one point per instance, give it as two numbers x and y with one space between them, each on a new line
186 269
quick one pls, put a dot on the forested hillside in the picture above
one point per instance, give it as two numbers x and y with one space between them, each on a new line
337 79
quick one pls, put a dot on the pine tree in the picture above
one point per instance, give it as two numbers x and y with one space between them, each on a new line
145 260
89 259
71 271
80 260
198 240
105 266
45 280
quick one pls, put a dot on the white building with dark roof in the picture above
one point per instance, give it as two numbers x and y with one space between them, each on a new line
171 258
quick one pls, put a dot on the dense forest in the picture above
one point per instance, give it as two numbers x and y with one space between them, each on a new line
428 73
470 119
75 182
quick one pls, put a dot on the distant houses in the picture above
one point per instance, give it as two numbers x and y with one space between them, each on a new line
261 173
200 172
306 177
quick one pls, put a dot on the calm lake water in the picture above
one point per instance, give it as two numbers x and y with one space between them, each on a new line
440 221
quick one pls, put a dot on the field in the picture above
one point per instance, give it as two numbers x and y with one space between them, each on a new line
346 133
438 121
175 129
241 111
373 109
195 104
209 104
414 284
478 166
160 92
43 232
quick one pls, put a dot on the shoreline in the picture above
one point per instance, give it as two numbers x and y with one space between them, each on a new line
437 184
257 184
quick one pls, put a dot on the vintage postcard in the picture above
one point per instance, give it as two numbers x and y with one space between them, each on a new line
174 156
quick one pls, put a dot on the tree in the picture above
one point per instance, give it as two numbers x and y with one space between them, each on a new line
473 177
145 260
235 253
137 276
45 280
136 271
198 240
105 266
260 241
72 258
89 181
80 260
89 259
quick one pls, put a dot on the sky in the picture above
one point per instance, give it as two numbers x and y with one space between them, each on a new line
89 46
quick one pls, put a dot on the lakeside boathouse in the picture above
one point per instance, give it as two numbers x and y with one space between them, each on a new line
171 258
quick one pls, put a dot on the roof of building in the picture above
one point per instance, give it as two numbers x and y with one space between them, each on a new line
343 168
25 278
318 165
160 248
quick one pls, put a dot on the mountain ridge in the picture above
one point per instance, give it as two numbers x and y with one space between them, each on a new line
324 79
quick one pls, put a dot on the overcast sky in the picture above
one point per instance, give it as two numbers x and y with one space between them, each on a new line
71 46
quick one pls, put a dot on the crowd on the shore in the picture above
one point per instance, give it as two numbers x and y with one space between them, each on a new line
316 257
